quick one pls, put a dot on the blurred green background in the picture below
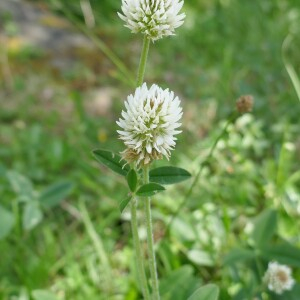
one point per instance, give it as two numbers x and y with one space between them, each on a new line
66 69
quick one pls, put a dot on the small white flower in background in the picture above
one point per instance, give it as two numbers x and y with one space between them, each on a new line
278 278
154 18
149 124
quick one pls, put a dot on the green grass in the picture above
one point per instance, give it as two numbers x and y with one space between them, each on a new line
224 50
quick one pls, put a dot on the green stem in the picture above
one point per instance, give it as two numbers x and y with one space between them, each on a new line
134 223
151 253
137 247
143 61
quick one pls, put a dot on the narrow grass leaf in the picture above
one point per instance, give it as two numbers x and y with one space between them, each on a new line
207 292
124 203
289 66
112 161
168 175
149 189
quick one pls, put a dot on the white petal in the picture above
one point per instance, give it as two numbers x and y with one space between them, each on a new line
149 148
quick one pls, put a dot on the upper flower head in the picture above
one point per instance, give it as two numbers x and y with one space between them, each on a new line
149 124
154 18
278 278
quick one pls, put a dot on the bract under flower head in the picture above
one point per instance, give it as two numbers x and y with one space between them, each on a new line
154 18
278 278
149 124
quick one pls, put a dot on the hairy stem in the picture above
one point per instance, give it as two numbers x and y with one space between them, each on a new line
151 253
134 223
137 247
143 61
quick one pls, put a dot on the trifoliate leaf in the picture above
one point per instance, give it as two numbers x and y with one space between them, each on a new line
112 161
168 175
149 189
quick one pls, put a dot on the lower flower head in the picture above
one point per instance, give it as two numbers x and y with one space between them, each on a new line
278 278
149 124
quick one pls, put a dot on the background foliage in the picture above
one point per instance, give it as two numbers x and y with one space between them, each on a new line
62 235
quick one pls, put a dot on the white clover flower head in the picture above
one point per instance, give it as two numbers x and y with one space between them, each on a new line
278 278
149 124
154 18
